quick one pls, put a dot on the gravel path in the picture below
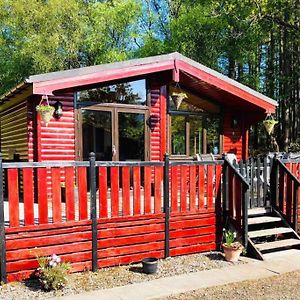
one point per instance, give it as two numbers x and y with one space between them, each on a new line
115 276
285 286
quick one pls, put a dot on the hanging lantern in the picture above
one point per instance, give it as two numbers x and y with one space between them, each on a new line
269 123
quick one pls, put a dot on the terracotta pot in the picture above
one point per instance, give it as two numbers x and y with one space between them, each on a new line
232 254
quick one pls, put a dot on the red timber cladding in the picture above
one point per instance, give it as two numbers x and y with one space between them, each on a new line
233 137
120 241
57 140
158 114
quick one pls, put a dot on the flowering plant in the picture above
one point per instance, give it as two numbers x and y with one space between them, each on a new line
52 272
230 240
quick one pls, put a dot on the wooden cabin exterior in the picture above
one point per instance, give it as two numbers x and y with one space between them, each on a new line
130 200
216 108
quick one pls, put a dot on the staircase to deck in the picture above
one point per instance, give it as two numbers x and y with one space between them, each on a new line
269 234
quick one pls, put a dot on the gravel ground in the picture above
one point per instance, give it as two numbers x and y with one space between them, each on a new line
115 276
285 286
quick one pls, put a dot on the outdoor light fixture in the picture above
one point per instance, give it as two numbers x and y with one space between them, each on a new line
234 123
58 110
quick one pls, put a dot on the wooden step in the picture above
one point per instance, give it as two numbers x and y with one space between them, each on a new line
259 211
271 231
275 255
278 244
263 219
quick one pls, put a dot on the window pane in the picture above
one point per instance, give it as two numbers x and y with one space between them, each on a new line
213 135
131 136
196 131
97 134
133 92
178 135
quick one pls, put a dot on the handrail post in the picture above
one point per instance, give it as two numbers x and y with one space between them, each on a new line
92 160
274 182
3 276
225 190
295 206
245 214
167 205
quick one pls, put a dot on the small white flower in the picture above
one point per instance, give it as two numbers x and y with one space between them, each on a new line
51 263
58 259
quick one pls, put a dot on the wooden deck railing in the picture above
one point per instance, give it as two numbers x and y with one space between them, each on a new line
236 199
97 213
285 188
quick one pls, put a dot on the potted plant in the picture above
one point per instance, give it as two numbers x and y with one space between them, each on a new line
177 98
269 124
232 248
45 110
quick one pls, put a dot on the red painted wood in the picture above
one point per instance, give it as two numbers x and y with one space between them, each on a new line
42 195
174 189
192 232
69 193
201 186
56 195
136 191
183 188
13 197
132 249
147 189
157 187
126 190
163 121
127 259
192 187
210 179
103 213
82 193
28 196
114 179
192 223
218 195
289 199
193 249
187 241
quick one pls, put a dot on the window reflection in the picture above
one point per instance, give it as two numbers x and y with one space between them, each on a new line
133 92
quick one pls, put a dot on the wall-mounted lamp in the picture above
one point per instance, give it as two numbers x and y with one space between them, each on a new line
234 123
58 110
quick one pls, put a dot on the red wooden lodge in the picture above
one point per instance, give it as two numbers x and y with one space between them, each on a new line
126 114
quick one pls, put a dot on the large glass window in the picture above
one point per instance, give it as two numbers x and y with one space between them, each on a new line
194 126
133 92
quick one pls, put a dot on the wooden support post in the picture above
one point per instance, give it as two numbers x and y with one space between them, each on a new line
225 192
245 204
3 276
295 206
93 211
167 206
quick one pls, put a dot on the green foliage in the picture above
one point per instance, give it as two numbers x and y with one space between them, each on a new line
45 108
52 272
230 240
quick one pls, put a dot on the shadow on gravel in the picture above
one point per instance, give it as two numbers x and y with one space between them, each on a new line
33 284
214 256
136 269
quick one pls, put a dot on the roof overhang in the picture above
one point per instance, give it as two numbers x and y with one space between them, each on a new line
210 83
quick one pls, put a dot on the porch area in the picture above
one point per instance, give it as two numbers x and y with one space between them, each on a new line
96 214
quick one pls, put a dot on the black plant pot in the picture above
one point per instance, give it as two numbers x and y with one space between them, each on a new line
150 265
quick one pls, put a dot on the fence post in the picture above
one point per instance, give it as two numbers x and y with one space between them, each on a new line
2 229
225 191
295 206
274 182
92 173
167 205
245 205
